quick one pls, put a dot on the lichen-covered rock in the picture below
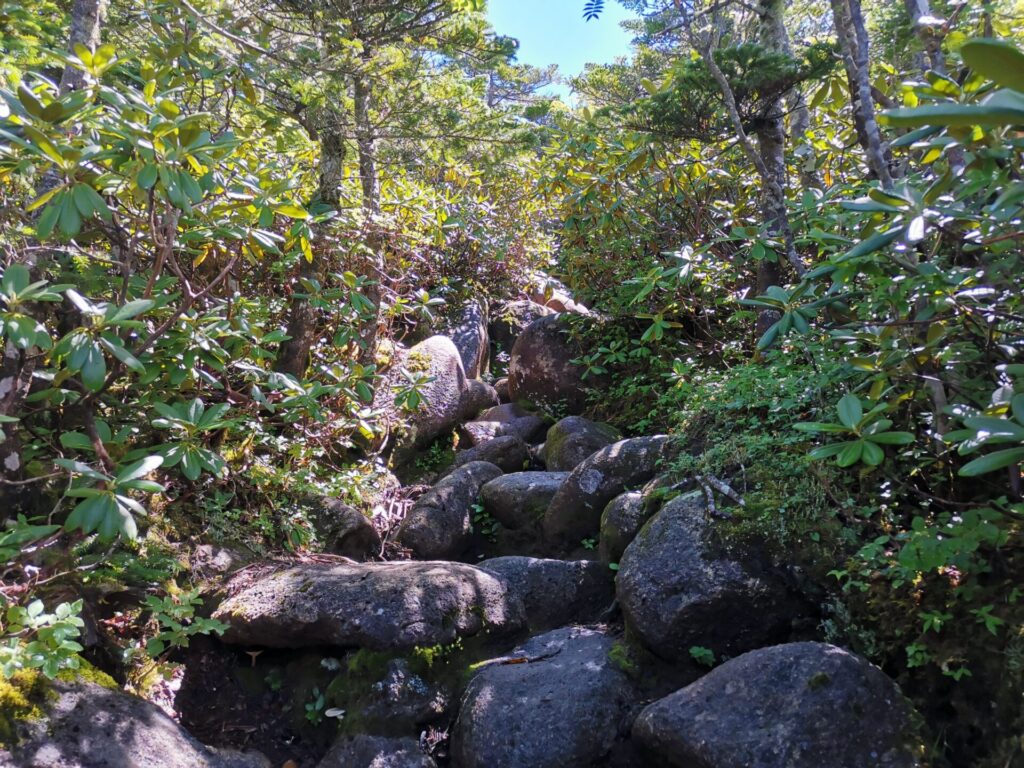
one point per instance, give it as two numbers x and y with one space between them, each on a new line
503 420
575 512
468 332
566 708
556 592
510 453
800 705
444 396
574 439
440 524
679 587
376 752
541 370
345 530
85 725
511 318
621 521
379 606
519 500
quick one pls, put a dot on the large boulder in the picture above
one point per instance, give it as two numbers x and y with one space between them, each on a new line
468 331
566 707
511 318
345 530
556 592
575 512
621 521
541 370
574 439
376 752
444 396
401 701
502 420
440 524
510 453
83 724
520 499
801 705
679 587
379 606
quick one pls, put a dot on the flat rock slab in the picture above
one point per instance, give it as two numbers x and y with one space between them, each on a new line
379 606
565 709
509 453
520 499
800 705
556 592
88 726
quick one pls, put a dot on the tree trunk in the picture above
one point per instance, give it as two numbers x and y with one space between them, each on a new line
771 142
86 23
293 357
854 46
366 146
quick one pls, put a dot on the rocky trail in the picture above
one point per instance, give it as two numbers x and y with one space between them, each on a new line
554 598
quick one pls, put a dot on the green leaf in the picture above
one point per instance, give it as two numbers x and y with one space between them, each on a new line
992 461
869 245
851 453
1001 108
998 60
139 469
146 177
850 411
872 455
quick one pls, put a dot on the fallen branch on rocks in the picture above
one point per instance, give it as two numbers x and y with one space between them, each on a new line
504 660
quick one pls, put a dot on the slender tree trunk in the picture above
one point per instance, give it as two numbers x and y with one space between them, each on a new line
771 142
366 146
86 22
854 45
293 357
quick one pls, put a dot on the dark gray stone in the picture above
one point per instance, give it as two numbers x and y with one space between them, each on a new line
379 606
345 530
556 592
575 512
541 371
403 701
563 711
501 388
574 439
621 521
509 453
511 318
678 587
801 705
88 726
519 500
469 334
440 524
376 752
479 396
